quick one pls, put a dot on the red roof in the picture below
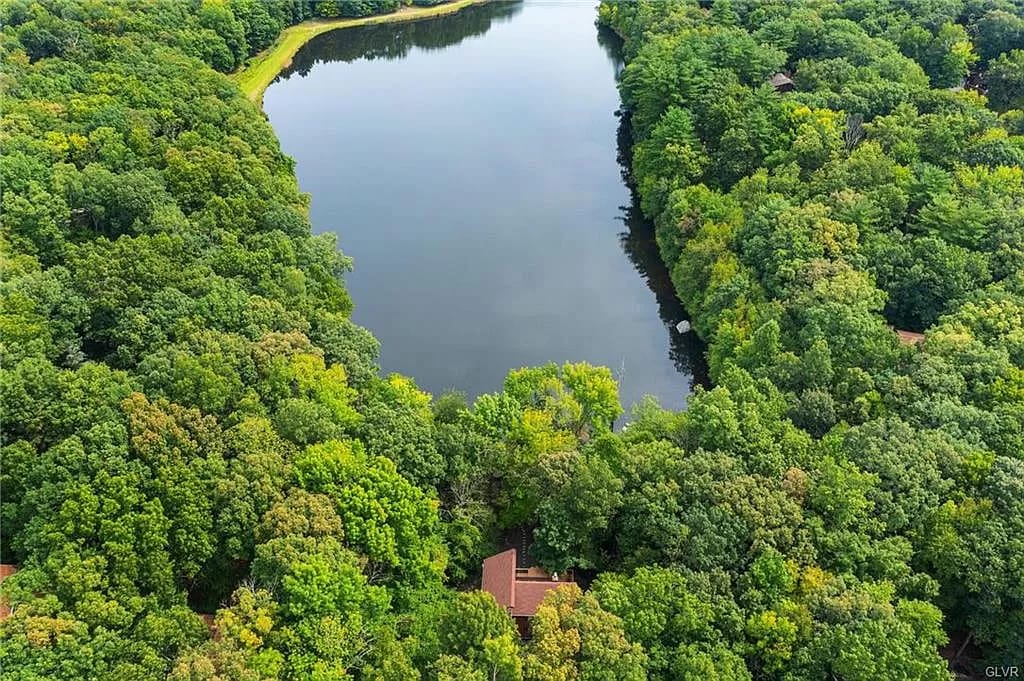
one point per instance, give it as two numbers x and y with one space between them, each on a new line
529 595
909 337
499 578
6 570
517 593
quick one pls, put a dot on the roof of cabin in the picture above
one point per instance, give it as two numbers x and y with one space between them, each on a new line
909 337
529 596
518 590
6 570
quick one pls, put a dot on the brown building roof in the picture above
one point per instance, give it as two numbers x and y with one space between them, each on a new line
909 337
499 578
6 570
530 594
780 81
518 590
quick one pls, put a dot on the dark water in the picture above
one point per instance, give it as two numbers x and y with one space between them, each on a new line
469 164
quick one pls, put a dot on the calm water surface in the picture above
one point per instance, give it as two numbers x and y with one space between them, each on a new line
469 165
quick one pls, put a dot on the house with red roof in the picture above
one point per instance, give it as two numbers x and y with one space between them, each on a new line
6 570
517 587
909 337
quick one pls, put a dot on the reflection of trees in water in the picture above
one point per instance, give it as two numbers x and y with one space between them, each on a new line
611 43
394 40
685 350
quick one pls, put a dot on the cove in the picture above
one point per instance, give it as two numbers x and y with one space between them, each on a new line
472 167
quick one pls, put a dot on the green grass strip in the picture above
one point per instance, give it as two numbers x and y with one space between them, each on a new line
261 69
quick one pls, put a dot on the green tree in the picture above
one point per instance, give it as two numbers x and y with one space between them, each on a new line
1005 81
383 516
476 629
574 638
998 31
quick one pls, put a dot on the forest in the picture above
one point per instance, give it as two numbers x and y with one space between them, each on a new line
206 477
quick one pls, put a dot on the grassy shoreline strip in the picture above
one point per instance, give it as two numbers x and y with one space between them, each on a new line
261 69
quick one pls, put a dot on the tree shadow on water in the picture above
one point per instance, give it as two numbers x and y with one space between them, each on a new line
686 350
394 40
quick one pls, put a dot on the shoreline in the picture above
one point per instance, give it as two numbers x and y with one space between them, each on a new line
261 69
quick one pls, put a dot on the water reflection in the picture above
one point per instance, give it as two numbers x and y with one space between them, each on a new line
478 186
685 350
611 43
394 40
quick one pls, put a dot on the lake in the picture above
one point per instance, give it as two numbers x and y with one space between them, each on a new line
470 165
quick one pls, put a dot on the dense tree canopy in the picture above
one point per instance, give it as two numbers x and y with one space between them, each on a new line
803 224
192 423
